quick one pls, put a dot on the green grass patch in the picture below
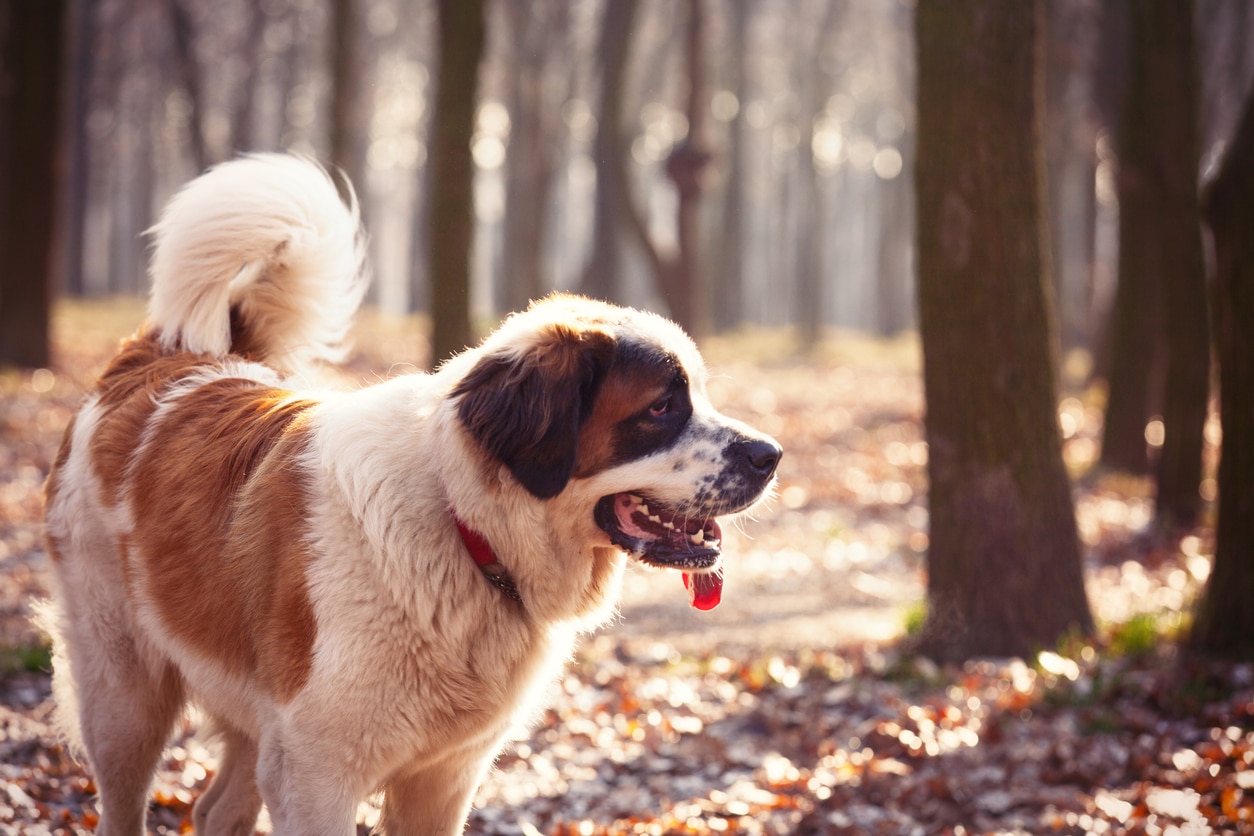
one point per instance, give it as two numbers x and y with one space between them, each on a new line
32 658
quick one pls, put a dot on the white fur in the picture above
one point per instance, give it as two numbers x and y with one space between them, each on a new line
284 248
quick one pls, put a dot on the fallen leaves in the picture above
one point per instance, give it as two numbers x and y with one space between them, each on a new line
843 747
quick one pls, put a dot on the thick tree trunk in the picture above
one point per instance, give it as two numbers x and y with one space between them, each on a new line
33 35
1004 571
461 32
1163 41
1225 618
1160 289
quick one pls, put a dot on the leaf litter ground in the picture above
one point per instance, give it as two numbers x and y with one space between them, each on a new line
789 709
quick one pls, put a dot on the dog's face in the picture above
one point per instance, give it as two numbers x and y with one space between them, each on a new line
610 404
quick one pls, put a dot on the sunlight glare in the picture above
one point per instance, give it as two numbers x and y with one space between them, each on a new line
724 105
488 151
1208 489
827 145
862 153
493 118
42 381
887 163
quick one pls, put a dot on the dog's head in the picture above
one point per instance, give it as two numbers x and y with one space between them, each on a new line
576 395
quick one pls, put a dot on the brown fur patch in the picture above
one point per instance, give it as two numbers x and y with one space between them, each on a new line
219 502
526 408
624 392
127 389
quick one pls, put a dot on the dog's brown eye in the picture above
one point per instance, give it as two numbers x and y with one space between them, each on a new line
661 406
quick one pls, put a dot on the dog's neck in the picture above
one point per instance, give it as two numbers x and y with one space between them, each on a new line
483 556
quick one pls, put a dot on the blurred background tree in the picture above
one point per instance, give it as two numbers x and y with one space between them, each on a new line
31 62
1160 347
452 220
1225 617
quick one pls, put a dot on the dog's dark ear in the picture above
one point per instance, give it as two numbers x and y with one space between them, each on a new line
525 407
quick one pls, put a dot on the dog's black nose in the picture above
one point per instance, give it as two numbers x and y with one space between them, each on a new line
762 455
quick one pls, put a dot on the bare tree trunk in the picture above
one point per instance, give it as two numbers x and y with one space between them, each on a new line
1071 160
189 75
461 28
601 278
811 217
681 282
1137 363
1004 571
893 309
1224 624
537 32
1163 30
728 295
346 91
243 127
32 38
74 214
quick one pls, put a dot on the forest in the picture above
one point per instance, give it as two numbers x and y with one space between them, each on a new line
983 267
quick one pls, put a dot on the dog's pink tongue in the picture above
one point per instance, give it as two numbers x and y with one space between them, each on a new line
705 589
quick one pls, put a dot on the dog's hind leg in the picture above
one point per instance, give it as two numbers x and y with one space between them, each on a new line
116 705
231 805
126 714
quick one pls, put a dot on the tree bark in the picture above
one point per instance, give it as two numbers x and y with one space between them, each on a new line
184 31
1224 624
83 22
682 283
728 296
535 95
1150 225
810 206
1164 40
1004 571
32 35
601 278
461 33
346 91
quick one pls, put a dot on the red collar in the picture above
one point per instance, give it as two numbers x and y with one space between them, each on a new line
483 556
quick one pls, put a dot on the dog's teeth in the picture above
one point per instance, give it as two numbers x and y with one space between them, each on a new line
655 519
668 525
697 539
644 509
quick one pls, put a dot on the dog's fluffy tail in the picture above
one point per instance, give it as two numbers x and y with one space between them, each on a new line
261 257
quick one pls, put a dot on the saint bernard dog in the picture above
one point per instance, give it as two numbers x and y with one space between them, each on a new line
362 591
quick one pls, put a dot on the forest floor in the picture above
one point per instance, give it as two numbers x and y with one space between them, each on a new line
790 709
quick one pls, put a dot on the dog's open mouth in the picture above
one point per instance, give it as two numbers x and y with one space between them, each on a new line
660 536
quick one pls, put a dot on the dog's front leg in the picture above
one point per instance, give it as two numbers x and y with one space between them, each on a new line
305 791
434 800
231 805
